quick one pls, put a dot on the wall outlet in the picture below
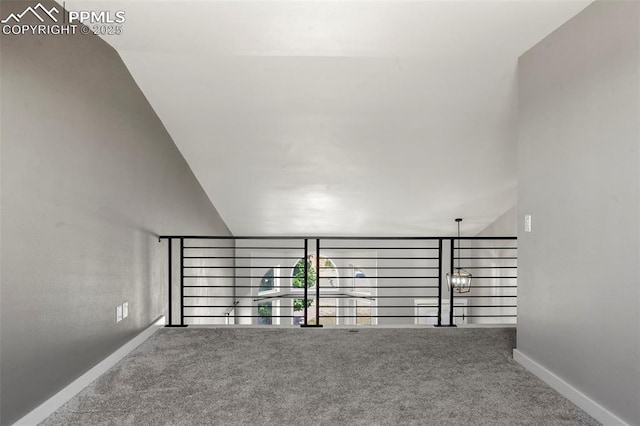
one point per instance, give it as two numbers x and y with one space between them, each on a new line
527 223
125 310
118 313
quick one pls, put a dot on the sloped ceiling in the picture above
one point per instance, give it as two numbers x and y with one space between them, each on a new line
340 118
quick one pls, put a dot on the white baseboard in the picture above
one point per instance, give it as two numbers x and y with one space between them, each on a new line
48 407
591 407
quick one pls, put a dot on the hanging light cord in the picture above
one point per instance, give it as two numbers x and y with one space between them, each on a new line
458 243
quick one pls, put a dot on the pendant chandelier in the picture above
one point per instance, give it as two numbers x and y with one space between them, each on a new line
459 280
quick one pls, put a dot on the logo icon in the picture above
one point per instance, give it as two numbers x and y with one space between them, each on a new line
34 12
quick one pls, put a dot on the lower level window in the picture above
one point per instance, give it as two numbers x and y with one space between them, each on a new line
269 313
328 311
363 312
265 313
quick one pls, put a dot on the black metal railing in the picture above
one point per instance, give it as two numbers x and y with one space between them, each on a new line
351 281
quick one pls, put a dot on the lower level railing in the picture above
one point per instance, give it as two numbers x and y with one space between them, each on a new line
313 282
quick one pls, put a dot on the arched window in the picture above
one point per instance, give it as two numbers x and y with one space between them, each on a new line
270 281
329 276
297 275
329 280
267 282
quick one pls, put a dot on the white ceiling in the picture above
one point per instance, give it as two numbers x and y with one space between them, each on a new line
340 118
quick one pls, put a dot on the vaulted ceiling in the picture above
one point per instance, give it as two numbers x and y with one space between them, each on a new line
355 118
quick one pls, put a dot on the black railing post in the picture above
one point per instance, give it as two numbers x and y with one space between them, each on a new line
317 266
451 324
318 282
182 282
170 281
306 277
440 252
170 273
440 282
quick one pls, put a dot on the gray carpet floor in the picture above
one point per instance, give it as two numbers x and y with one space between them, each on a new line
260 376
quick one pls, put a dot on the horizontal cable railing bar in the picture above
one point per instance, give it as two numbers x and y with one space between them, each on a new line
485 316
469 266
487 248
352 316
238 316
253 276
487 306
494 286
328 290
381 248
242 257
487 297
332 296
489 267
348 258
359 297
332 316
487 258
324 277
330 307
384 238
382 258
348 268
243 248
464 266
492 278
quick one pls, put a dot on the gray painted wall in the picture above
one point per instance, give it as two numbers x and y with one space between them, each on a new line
505 225
579 178
89 178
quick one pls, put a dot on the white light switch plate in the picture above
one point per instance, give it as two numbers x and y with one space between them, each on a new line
527 223
118 313
125 310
